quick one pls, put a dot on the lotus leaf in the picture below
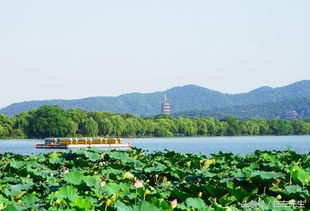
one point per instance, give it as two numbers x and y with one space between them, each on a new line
13 207
112 188
74 177
82 204
69 192
73 180
30 199
195 203
92 181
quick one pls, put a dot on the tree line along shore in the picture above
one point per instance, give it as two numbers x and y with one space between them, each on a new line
52 121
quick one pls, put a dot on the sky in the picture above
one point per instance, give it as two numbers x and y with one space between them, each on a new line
74 49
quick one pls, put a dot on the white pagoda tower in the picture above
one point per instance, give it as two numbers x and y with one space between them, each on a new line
165 106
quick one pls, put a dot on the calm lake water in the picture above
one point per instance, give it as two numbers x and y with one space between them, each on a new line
204 145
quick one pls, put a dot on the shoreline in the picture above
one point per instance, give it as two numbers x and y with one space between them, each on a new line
164 137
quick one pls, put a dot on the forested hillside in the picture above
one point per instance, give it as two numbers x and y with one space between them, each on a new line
273 110
186 98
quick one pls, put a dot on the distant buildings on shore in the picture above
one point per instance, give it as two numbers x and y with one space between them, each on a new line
165 106
290 115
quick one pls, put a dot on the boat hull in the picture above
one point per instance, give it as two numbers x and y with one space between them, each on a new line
72 146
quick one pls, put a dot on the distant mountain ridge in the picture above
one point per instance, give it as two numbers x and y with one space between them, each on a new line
183 98
270 110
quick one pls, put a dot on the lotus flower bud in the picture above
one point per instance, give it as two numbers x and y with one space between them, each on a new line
108 202
174 203
102 184
138 184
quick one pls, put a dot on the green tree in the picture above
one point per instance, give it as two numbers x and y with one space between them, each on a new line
133 127
252 127
149 126
222 128
263 127
21 121
300 127
234 126
119 125
202 127
163 128
186 126
89 127
105 127
280 127
20 124
78 116
213 126
5 126
49 121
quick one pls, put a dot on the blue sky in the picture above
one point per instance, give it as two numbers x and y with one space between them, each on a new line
75 49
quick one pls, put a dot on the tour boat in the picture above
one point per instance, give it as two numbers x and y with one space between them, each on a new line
68 143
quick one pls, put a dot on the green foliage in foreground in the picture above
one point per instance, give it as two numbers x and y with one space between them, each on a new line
52 121
134 180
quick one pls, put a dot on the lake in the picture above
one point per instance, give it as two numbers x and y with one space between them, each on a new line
204 145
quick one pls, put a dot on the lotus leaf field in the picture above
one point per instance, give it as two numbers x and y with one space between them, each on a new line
135 180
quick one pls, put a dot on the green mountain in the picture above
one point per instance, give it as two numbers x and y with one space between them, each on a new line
271 110
184 98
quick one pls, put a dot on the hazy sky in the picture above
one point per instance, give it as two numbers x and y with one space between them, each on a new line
74 49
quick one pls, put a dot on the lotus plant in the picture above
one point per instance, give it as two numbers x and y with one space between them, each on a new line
138 184
174 203
102 184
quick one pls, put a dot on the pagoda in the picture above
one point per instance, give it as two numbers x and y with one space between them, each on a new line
165 106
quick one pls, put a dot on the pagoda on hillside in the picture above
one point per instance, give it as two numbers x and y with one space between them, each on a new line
165 106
